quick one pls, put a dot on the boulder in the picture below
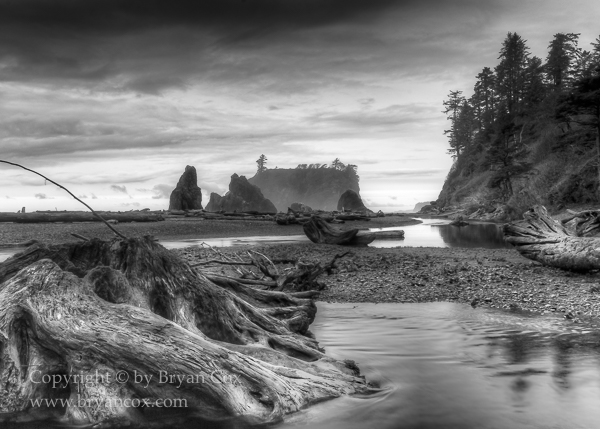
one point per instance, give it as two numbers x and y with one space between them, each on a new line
186 195
242 197
350 200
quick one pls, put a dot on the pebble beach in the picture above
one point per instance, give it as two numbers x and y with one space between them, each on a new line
496 278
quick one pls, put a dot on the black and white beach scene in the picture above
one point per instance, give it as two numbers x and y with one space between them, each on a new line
320 214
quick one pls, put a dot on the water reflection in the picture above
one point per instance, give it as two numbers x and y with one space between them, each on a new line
487 235
430 233
445 365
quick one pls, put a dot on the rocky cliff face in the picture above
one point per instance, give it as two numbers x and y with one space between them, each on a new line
419 206
319 188
242 197
186 195
563 174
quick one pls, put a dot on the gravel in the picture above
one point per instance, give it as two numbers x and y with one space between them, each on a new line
481 277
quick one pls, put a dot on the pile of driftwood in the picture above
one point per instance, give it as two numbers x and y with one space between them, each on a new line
570 244
294 217
203 214
54 217
300 278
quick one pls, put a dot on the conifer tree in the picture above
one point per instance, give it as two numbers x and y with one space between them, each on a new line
261 162
562 56
510 72
452 108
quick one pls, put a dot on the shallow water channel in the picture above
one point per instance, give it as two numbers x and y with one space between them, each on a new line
430 233
445 365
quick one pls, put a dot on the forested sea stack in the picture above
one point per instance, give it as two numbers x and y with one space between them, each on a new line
316 185
187 195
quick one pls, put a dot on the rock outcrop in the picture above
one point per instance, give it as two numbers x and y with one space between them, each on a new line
419 206
186 195
242 197
350 200
214 203
319 188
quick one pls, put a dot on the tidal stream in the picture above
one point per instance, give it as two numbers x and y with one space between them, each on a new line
445 365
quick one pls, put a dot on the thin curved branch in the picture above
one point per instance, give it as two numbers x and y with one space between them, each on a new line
70 193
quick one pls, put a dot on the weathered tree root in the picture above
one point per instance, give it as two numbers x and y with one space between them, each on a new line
583 224
543 239
129 307
319 231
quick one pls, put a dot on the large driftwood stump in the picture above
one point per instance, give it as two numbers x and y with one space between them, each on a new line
126 308
319 231
541 238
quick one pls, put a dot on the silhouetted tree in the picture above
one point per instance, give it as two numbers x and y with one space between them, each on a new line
452 108
561 59
261 162
337 164
510 72
484 99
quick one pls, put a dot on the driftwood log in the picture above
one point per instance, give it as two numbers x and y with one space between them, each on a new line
114 311
583 224
319 231
543 239
77 217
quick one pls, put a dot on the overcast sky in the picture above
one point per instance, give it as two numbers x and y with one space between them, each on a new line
113 98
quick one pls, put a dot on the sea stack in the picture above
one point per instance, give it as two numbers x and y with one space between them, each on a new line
242 197
186 195
350 200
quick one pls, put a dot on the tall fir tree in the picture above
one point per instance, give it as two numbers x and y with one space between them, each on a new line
452 108
484 99
261 163
510 72
562 56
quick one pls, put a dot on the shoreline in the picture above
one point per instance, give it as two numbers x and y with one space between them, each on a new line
173 229
494 278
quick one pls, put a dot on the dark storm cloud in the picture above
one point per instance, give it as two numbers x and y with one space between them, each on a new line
143 41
